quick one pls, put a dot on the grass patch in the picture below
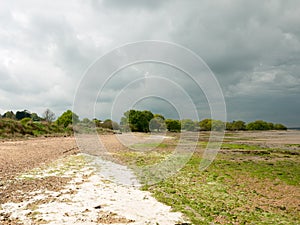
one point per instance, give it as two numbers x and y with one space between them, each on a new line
236 146
141 159
248 188
142 146
207 197
293 145
241 146
285 170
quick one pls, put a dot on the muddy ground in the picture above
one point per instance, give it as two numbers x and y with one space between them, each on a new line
45 181
22 155
19 156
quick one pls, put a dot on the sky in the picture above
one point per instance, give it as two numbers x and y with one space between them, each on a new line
251 47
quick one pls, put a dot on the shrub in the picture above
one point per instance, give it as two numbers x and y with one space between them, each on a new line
258 125
279 126
67 118
25 120
173 125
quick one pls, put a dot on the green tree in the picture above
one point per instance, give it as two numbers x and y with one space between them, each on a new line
205 125
148 115
124 124
109 124
35 117
9 115
97 122
188 125
271 126
239 125
23 114
159 116
173 125
218 125
67 118
134 118
87 123
258 125
279 126
236 125
137 120
210 124
157 123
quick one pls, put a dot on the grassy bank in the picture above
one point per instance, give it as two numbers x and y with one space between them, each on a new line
25 128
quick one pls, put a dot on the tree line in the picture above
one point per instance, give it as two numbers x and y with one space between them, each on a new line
132 120
27 123
145 121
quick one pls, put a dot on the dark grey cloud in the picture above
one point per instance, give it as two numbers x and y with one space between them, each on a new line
237 36
253 48
280 109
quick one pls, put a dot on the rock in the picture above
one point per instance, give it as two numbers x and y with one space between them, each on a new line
97 207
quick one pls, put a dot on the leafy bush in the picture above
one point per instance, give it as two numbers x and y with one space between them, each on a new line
157 124
279 126
173 125
138 121
209 124
12 128
25 120
258 125
236 125
188 125
23 114
67 118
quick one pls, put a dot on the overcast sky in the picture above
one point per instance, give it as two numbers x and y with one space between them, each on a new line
252 47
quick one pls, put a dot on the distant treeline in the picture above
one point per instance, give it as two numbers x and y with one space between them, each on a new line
145 121
27 123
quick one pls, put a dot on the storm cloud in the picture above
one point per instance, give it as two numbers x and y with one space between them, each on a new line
252 47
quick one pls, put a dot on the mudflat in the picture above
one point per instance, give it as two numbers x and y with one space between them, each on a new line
254 178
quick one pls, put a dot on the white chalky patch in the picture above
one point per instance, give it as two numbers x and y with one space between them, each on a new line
76 202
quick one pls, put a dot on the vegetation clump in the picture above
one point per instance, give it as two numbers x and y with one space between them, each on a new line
25 123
